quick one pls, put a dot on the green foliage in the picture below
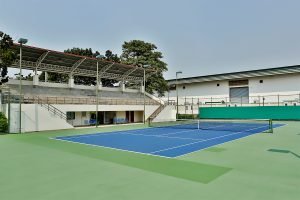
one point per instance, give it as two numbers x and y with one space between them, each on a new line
7 56
140 53
187 116
29 77
3 123
54 77
109 56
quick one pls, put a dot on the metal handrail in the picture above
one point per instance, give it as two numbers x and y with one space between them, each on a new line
52 109
80 100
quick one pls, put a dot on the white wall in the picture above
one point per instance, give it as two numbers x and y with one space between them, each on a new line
167 114
35 118
272 85
275 84
201 89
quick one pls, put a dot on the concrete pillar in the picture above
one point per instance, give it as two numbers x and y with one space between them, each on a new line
71 82
122 86
46 77
100 85
35 79
142 88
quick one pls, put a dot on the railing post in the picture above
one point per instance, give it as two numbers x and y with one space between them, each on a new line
241 101
192 107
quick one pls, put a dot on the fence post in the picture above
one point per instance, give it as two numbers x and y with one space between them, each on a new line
185 105
192 107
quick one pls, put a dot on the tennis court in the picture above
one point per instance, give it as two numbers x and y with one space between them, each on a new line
173 139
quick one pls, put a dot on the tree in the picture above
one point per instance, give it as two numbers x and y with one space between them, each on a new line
88 52
109 56
29 77
142 54
7 56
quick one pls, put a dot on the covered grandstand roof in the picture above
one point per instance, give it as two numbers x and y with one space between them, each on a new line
39 59
238 75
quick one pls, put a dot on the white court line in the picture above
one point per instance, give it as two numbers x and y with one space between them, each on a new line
206 140
124 132
172 133
94 145
282 125
163 136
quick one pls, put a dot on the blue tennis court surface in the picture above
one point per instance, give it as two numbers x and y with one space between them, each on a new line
168 141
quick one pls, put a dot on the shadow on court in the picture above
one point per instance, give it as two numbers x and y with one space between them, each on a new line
188 170
284 151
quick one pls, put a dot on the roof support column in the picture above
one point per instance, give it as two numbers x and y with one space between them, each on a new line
46 77
142 88
35 80
71 82
122 86
100 84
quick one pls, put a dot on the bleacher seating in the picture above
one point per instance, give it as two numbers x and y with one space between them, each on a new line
29 90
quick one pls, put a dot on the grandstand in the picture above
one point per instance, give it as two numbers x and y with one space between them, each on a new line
68 105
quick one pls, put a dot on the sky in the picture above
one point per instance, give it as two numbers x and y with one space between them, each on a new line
198 37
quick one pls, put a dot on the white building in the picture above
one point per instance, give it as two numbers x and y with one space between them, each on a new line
273 86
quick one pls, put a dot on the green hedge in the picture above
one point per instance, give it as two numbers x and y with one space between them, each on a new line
187 116
3 123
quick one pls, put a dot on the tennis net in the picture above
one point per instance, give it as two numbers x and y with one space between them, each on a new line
261 125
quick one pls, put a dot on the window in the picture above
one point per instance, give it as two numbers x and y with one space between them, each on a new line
238 82
172 87
70 115
83 114
261 81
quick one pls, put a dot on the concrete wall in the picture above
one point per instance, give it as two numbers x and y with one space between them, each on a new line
34 118
167 114
275 84
37 118
279 84
197 90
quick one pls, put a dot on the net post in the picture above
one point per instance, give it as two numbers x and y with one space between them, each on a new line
198 124
271 125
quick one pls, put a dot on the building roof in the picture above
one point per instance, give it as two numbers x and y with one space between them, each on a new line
238 75
39 59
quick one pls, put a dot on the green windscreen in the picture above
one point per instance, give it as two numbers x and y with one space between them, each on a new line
253 112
